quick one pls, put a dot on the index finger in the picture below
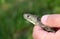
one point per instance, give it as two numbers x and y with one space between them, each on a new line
52 20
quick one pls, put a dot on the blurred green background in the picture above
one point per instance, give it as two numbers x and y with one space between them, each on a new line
12 23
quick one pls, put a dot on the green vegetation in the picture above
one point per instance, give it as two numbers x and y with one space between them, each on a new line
12 23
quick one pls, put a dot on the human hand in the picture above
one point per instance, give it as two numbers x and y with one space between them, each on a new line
51 21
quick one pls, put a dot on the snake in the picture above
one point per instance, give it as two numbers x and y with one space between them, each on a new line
34 19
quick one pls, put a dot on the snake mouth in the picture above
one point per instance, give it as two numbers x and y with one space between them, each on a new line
29 18
25 16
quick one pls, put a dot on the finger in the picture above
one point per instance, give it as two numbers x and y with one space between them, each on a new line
38 33
51 20
57 35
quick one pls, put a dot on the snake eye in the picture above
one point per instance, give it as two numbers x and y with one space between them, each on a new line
27 15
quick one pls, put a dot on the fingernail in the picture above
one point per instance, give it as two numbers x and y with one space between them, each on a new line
44 19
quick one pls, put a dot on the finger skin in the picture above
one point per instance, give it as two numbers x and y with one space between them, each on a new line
38 33
51 20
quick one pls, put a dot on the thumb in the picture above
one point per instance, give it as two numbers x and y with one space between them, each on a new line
39 33
51 20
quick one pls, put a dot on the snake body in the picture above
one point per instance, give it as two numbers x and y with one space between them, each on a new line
36 20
